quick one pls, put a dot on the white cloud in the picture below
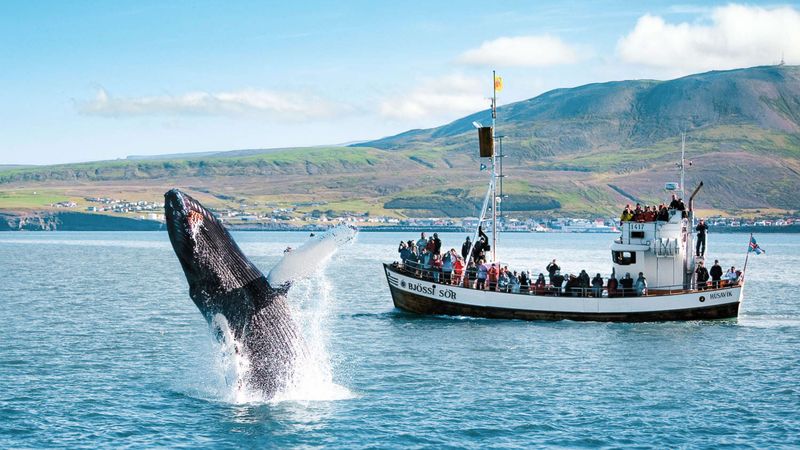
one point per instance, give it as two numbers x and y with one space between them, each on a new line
277 105
737 36
525 51
439 98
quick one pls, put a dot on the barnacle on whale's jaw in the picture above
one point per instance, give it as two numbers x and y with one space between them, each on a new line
185 215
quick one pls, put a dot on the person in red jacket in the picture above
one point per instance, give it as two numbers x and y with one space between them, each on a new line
431 246
436 267
458 270
539 286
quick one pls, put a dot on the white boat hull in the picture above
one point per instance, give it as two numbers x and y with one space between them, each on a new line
425 297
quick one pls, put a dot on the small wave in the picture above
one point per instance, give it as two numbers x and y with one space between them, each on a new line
381 315
768 321
88 243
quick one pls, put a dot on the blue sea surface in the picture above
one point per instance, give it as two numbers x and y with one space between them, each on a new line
101 347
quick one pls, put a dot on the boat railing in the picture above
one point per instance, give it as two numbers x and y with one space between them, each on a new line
470 282
675 215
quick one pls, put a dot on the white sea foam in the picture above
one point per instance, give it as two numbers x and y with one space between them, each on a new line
313 375
232 363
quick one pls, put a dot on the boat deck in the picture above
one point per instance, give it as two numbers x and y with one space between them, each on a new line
551 291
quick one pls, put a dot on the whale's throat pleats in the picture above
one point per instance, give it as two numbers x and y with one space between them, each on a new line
215 248
238 305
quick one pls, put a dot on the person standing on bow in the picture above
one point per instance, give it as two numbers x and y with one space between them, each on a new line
597 286
701 229
640 285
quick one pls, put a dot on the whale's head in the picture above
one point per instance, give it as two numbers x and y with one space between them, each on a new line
213 263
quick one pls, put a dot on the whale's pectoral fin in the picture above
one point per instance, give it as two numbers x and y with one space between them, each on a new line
305 260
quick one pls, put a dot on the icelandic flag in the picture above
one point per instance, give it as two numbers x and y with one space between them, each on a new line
754 246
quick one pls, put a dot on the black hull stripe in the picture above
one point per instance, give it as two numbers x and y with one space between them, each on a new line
419 304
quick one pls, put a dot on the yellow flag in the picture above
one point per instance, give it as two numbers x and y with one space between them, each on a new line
498 83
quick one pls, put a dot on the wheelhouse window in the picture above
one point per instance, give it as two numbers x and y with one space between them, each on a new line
624 258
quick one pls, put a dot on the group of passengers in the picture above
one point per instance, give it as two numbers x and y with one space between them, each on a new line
649 213
581 286
702 276
425 259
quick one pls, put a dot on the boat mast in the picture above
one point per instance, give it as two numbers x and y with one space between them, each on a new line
494 168
491 199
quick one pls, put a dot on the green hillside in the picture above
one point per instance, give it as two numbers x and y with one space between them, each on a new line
584 150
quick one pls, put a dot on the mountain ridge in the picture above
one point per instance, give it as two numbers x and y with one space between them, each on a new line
640 107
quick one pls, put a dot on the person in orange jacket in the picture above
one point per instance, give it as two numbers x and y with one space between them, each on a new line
492 274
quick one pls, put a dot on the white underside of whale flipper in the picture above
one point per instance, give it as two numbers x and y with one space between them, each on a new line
304 261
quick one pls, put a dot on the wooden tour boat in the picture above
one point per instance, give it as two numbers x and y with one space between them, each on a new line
661 250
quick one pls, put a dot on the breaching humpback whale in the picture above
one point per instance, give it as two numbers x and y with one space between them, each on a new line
224 284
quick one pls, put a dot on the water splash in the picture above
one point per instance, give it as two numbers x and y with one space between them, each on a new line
312 375
311 378
231 362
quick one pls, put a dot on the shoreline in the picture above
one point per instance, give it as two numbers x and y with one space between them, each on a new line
160 227
75 221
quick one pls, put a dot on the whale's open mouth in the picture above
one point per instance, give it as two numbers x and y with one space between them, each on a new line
180 213
186 217
185 214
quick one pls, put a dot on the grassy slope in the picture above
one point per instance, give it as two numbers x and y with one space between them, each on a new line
30 198
365 179
322 158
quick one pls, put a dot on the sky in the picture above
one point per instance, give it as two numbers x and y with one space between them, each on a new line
99 80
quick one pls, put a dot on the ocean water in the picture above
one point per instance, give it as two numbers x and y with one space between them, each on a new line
101 347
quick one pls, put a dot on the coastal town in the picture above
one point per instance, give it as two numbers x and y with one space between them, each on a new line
314 216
